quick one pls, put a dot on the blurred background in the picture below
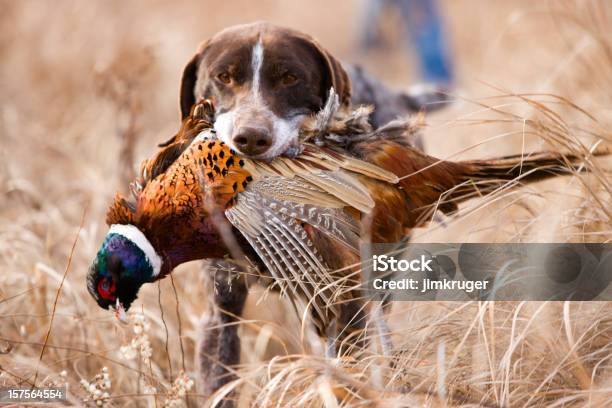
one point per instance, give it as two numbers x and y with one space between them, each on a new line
89 88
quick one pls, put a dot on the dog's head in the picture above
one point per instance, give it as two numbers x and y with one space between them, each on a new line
264 81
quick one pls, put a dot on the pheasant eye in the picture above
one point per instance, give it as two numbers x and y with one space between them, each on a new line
106 289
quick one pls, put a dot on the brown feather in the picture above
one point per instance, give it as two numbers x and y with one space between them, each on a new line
120 212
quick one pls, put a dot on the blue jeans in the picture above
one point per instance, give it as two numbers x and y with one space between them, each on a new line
424 30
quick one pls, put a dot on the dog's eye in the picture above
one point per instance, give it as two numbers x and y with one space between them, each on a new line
289 79
224 77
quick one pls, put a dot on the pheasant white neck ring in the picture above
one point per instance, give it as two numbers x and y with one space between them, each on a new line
139 239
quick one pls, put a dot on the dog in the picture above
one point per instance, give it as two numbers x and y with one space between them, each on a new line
265 80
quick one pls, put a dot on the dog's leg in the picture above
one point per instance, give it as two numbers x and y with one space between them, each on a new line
351 335
219 346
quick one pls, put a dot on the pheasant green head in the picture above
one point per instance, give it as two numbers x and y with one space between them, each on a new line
125 261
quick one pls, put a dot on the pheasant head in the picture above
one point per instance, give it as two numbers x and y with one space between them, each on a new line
123 264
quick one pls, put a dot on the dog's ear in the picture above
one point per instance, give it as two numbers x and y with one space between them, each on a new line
334 74
340 80
188 82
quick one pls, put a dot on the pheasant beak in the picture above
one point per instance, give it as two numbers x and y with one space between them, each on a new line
120 312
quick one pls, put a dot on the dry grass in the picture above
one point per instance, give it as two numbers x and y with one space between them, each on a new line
88 88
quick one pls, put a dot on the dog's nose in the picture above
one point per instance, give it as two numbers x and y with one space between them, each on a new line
252 141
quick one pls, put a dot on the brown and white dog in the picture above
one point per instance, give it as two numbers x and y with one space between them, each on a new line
266 80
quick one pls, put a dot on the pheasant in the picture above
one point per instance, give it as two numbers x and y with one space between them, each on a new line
299 219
